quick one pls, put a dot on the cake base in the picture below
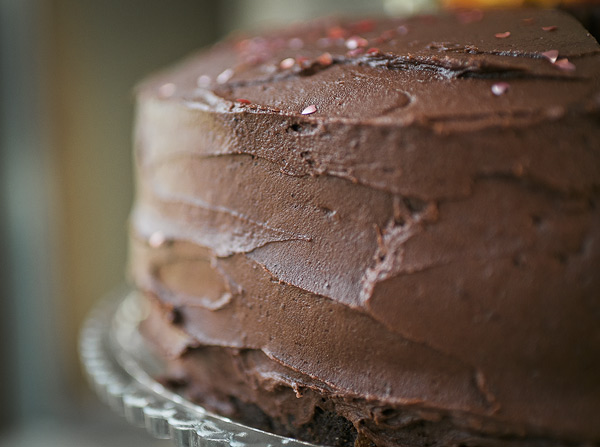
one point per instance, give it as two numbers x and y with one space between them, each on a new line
248 386
235 383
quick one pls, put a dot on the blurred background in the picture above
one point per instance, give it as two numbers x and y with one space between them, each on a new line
67 72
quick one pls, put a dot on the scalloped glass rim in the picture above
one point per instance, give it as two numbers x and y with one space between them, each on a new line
120 367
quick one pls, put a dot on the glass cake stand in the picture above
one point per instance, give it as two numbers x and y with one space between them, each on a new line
121 368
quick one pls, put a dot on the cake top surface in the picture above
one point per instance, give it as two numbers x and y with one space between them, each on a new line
516 65
422 82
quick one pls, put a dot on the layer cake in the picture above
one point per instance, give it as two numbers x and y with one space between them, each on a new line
380 232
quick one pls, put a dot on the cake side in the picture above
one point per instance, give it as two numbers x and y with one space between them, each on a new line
424 244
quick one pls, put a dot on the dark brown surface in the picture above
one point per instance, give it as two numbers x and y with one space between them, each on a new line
418 243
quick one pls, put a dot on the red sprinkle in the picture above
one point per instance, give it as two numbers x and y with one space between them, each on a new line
388 35
373 50
500 88
364 26
551 55
550 28
337 32
325 59
564 64
356 42
302 61
309 110
243 101
502 35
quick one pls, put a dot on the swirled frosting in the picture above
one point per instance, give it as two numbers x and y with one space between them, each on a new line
398 220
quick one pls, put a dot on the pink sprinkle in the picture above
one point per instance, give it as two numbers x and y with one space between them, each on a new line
295 43
474 15
166 90
402 30
203 81
157 239
373 51
325 59
243 101
551 55
564 64
502 35
355 52
500 88
225 76
253 58
356 42
550 28
529 21
287 63
309 110
324 42
243 45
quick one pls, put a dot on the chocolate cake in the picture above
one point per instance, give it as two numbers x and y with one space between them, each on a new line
380 233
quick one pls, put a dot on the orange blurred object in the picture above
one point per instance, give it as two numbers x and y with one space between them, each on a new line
506 3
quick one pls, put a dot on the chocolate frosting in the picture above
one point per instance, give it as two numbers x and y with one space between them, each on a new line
403 212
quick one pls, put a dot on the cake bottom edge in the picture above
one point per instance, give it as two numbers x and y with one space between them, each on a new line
249 387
